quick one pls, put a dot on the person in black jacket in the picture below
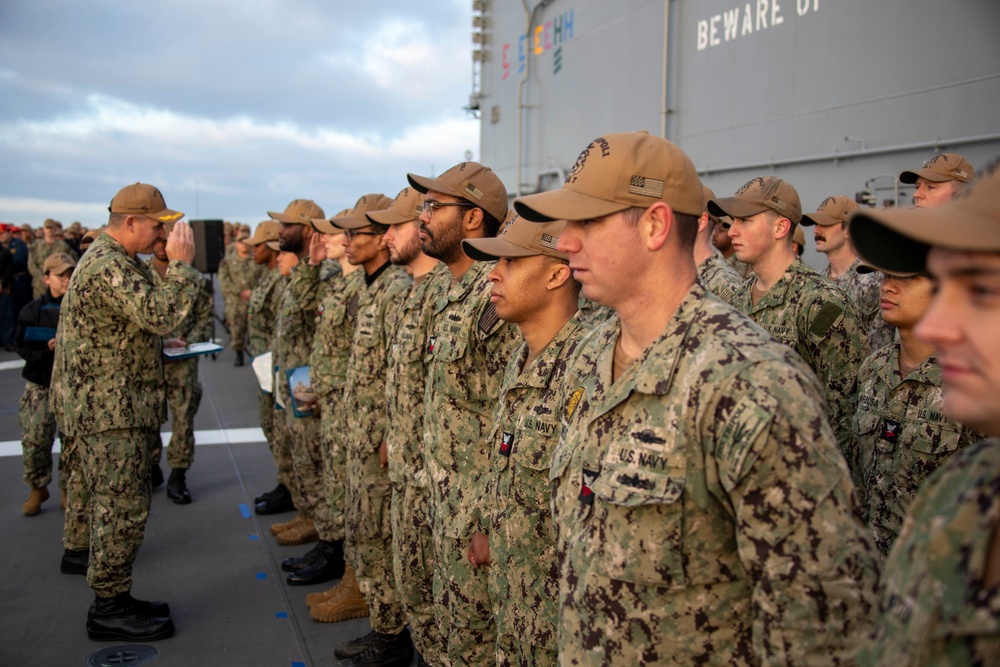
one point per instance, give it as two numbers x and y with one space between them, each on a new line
36 343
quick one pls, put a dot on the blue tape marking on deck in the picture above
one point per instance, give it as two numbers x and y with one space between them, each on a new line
262 575
298 664
245 511
281 614
254 537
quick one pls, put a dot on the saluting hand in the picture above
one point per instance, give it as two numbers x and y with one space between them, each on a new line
317 249
180 243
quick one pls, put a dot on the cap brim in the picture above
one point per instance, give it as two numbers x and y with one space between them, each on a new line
350 222
324 226
871 268
898 240
422 184
166 215
910 177
389 217
274 245
817 218
564 204
734 207
493 248
288 220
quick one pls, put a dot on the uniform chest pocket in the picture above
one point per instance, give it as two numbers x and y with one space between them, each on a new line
537 439
638 519
367 331
933 439
450 376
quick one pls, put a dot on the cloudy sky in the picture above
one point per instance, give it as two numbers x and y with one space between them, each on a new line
231 107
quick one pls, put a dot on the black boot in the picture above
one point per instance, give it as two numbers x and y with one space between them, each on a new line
353 647
275 502
328 566
267 495
75 562
385 651
301 563
239 358
177 489
123 618
156 475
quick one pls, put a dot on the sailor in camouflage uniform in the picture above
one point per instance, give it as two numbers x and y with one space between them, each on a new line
902 433
832 239
238 275
791 301
293 340
262 314
412 549
43 248
368 524
467 350
940 589
703 512
715 274
532 288
112 393
182 385
36 337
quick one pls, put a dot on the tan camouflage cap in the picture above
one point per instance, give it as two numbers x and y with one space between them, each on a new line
58 264
51 224
266 231
799 236
832 211
941 168
518 238
406 207
357 217
298 212
470 181
143 199
758 195
897 240
617 172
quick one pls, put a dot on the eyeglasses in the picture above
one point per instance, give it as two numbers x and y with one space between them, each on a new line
433 206
351 233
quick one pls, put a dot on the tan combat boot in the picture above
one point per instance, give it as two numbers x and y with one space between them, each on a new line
341 607
278 528
337 591
33 505
303 533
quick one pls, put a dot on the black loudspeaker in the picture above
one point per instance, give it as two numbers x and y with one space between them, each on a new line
209 244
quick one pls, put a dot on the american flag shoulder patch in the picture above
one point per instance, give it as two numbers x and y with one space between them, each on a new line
647 187
488 319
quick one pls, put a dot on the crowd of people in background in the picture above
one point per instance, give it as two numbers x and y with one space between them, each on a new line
620 422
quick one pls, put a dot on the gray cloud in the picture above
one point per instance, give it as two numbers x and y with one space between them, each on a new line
231 108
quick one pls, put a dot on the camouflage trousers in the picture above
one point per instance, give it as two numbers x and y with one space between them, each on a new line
334 467
38 434
277 440
413 567
236 321
154 446
524 589
514 650
183 396
462 604
76 520
115 467
369 539
306 446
